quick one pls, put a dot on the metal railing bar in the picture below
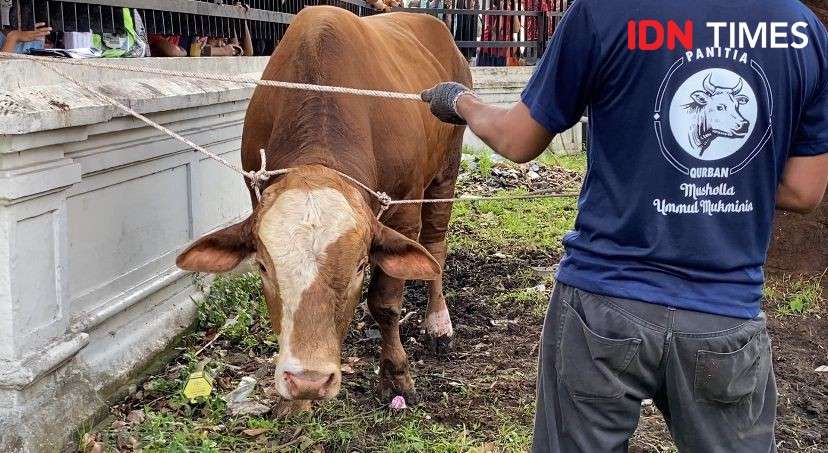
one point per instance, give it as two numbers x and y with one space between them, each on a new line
196 7
479 12
495 44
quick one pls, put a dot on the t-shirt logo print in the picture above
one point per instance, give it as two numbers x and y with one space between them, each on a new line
714 112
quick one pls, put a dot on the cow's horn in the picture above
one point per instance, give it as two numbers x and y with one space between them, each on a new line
708 84
739 86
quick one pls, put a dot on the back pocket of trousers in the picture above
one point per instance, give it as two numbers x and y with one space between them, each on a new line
730 377
589 364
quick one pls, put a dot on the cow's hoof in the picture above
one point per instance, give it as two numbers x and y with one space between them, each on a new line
395 380
284 408
388 393
440 345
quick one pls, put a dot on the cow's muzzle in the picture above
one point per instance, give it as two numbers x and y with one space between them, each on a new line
311 385
743 129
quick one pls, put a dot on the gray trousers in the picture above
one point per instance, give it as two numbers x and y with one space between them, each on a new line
711 376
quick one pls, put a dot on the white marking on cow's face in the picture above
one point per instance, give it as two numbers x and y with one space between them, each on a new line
296 230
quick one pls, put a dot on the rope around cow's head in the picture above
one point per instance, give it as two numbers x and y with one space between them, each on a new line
262 175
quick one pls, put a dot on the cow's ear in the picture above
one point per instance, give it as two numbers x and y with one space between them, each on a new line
700 97
220 251
400 257
742 99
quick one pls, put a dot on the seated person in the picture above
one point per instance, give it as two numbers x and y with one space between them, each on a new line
20 41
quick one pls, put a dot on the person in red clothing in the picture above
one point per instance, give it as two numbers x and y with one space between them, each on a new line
497 28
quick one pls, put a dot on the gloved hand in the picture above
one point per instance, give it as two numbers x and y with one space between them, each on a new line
442 100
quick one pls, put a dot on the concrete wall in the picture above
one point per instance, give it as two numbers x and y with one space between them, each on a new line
94 207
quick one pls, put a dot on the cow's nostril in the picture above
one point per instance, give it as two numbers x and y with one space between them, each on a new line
743 127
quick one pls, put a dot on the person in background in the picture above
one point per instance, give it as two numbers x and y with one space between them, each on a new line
497 28
20 41
463 26
533 25
659 294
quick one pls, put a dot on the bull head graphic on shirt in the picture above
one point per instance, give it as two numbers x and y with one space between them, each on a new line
715 113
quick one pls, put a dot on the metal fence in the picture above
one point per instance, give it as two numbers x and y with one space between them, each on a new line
492 32
219 18
498 32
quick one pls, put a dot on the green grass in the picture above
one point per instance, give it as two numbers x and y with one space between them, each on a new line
338 425
574 162
483 158
794 295
534 300
236 305
500 225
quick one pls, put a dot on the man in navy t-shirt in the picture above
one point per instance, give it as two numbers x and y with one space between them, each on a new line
703 117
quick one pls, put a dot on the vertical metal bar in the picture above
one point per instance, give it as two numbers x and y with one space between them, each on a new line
25 15
82 18
40 11
17 20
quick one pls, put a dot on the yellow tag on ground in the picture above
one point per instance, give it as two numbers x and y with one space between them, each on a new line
200 384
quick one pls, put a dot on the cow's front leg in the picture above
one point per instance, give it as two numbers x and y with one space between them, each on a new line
437 323
385 295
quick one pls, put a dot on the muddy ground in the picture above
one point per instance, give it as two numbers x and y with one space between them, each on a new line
478 398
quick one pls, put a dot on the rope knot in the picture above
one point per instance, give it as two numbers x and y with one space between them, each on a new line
385 203
259 176
384 199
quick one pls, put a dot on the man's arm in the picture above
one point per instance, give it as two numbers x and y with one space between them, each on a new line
803 183
511 132
553 101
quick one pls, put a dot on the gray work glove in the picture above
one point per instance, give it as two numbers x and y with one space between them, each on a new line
442 100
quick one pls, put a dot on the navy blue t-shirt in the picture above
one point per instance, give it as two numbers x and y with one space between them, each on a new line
689 130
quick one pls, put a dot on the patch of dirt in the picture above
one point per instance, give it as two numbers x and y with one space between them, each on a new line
495 347
800 345
796 239
531 177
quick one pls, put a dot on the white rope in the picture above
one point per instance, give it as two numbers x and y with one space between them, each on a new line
258 177
94 63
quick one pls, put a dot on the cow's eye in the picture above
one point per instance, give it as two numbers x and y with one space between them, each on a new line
261 267
722 108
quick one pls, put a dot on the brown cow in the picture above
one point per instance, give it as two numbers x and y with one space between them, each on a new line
314 232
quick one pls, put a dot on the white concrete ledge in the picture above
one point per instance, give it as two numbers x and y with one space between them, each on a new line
19 74
120 303
21 374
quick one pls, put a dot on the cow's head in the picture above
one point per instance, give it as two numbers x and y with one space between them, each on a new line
313 236
720 109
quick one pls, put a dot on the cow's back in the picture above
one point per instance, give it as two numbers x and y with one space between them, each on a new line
398 52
